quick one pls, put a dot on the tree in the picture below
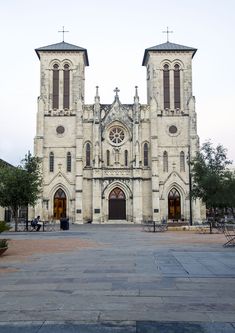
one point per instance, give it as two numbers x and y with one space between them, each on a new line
20 186
213 182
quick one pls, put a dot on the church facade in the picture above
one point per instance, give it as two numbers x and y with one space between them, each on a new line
109 162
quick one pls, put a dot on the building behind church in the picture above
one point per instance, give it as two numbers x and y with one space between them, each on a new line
109 162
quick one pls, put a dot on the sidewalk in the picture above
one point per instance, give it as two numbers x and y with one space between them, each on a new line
97 278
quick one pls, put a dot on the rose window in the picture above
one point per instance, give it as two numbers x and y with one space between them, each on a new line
116 135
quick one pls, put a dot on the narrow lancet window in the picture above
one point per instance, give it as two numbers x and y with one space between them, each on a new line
51 162
165 161
166 86
126 157
108 157
66 87
177 86
88 154
182 162
69 162
55 92
146 154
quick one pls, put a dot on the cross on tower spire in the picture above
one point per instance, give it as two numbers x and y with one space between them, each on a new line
167 32
63 31
116 90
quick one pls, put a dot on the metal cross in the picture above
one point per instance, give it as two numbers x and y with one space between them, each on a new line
167 32
116 90
63 31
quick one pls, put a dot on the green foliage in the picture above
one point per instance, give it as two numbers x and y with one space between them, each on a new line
4 226
3 243
20 186
212 181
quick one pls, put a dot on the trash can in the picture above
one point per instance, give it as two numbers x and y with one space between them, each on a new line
64 224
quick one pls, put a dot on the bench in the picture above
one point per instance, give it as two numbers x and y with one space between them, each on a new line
153 226
229 233
45 226
208 226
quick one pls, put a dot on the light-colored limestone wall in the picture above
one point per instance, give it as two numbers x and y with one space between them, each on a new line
2 213
147 199
155 65
88 187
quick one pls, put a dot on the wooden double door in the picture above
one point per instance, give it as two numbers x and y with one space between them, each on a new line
117 205
60 204
174 205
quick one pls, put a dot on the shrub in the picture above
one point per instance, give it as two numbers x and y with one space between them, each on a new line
4 226
3 243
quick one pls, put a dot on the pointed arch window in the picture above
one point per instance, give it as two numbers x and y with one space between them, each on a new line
146 154
165 161
55 92
177 86
88 154
166 86
69 162
182 161
108 157
174 204
51 162
126 157
66 87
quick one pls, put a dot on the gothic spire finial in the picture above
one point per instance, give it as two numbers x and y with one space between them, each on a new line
136 97
136 91
97 91
97 97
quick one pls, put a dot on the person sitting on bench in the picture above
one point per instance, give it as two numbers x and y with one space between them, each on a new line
36 223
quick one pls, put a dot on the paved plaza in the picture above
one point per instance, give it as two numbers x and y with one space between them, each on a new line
117 278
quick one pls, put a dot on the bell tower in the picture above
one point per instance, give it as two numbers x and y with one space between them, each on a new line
59 134
173 126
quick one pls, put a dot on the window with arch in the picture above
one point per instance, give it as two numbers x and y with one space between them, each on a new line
166 86
177 86
126 157
66 87
88 154
165 161
69 162
108 157
51 162
55 89
174 204
146 154
182 161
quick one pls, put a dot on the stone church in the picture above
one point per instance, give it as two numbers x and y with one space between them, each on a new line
110 162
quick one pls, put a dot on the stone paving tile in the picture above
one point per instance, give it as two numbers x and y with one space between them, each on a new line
179 327
42 315
131 276
151 315
70 327
222 316
19 327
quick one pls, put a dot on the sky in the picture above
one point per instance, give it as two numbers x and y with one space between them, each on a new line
115 34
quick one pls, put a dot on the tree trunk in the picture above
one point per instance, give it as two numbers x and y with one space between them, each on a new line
15 216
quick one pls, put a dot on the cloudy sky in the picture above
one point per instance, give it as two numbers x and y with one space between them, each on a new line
116 34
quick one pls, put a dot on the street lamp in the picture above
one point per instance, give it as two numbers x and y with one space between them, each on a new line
190 187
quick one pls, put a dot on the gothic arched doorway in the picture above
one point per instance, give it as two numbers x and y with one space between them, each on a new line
117 205
59 204
174 205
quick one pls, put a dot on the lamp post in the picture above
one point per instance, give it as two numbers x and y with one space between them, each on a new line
190 187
